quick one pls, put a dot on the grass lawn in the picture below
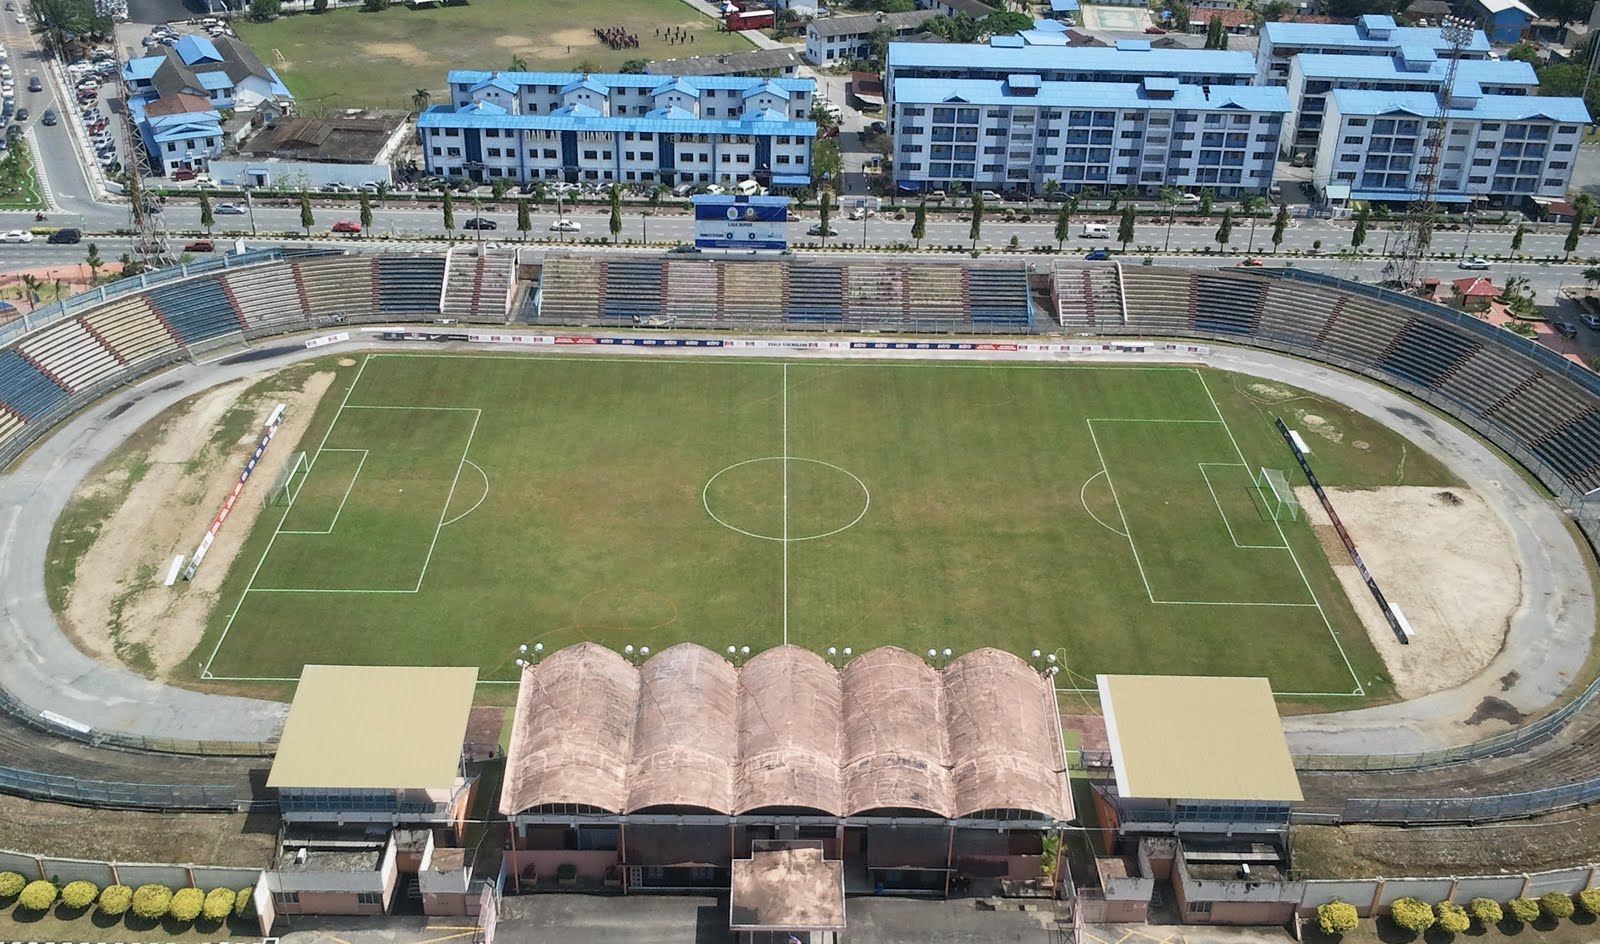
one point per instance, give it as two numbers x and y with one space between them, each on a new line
458 506
19 185
1582 929
61 924
351 58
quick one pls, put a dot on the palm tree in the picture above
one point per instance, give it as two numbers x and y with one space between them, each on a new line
420 99
519 64
55 20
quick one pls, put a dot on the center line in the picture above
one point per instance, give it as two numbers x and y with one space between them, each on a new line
786 504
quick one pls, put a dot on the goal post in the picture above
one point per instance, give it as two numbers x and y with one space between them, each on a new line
1278 495
289 481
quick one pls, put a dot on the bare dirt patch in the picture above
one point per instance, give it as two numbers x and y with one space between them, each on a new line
117 608
405 52
1559 840
1445 559
513 42
235 839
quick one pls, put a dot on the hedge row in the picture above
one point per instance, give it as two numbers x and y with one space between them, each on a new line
150 902
1411 914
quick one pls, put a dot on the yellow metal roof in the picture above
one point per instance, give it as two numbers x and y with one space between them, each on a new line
375 727
1197 738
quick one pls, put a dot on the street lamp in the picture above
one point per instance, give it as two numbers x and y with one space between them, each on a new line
250 204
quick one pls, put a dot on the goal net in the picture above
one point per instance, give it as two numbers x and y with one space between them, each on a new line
1278 496
289 481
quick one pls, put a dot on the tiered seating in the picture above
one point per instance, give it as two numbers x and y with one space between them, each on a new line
1297 313
71 354
1426 352
1487 378
409 283
874 294
1539 407
463 271
1086 296
816 293
265 294
24 388
131 329
198 309
934 294
753 291
1574 450
570 289
10 424
1364 330
340 285
1227 304
690 293
633 289
999 297
1159 301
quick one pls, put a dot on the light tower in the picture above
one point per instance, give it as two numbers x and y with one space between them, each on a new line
1416 230
144 209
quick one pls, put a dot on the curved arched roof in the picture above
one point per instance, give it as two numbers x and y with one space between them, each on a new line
788 730
685 741
895 750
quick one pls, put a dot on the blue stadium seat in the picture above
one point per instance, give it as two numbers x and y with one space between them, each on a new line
1426 352
410 283
816 294
197 309
1226 305
24 388
999 298
633 289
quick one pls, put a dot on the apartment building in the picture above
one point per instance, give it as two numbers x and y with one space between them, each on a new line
1370 35
1020 131
604 128
1413 69
1131 60
1498 148
839 39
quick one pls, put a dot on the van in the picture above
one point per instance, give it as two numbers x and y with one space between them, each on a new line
1095 231
1275 192
747 188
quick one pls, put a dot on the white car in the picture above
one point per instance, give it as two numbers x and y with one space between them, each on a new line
17 236
566 226
1189 198
230 209
1476 262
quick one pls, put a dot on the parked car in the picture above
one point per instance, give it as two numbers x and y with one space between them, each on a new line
566 226
478 222
877 127
17 236
200 245
35 84
1564 328
65 236
48 118
182 174
1591 322
346 226
22 114
230 209
1476 262
1098 255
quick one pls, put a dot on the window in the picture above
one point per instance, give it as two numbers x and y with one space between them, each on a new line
369 898
590 155
1199 907
494 152
286 898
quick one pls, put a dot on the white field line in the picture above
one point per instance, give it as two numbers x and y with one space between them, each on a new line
1224 515
843 359
785 504
205 672
1360 689
476 416
347 490
1083 501
1126 530
481 498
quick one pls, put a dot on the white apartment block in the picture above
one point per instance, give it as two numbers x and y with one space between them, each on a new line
1370 35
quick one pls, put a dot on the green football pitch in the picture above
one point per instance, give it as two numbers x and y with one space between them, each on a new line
453 508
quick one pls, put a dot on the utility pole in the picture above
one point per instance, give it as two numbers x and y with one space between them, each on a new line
1416 230
149 237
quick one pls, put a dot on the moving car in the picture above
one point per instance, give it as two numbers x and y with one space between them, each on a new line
1189 198
478 222
1476 262
22 114
566 226
1564 328
49 117
35 84
346 226
990 196
65 236
816 230
230 209
1098 255
200 245
17 236
1252 262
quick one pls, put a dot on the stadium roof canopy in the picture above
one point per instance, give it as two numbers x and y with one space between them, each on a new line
787 730
375 728
1197 738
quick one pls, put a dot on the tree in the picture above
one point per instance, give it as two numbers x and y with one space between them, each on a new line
1208 199
878 45
919 223
94 262
306 219
12 884
1589 901
1574 233
1524 52
56 21
1216 33
616 212
1358 236
1279 224
244 901
265 9
79 895
319 6
518 64
374 6
1005 24
633 66
450 215
1225 231
115 899
151 902
1487 911
823 213
1557 905
420 99
207 218
1337 917
186 905
1180 15
1125 227
1063 225
960 28
1524 910
1566 11
1412 915
219 904
524 219
366 213
38 896
975 231
1516 237
1453 918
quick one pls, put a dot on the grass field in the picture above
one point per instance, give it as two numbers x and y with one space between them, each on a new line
458 506
404 49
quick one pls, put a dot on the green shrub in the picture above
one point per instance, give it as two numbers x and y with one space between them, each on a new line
11 884
1453 919
79 894
1487 911
1557 905
151 902
219 904
1525 910
244 901
566 872
114 901
38 896
186 904
1412 915
1337 917
1589 901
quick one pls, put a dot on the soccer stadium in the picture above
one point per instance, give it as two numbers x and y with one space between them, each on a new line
998 497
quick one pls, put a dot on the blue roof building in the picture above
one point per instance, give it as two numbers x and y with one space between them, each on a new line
1370 35
1506 21
1128 61
1064 10
613 128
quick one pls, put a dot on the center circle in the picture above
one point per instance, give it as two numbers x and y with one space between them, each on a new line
786 499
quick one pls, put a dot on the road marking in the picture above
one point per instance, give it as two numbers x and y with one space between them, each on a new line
785 504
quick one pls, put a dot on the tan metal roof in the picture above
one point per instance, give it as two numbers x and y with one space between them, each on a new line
1197 738
375 727
786 730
